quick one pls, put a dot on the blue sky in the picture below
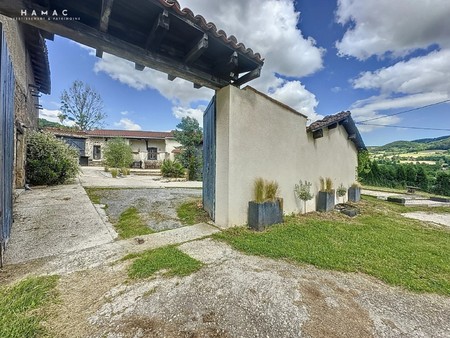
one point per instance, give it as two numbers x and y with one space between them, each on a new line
372 57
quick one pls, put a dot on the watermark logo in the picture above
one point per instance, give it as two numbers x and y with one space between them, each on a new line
47 14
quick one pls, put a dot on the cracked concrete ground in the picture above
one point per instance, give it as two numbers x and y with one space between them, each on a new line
232 295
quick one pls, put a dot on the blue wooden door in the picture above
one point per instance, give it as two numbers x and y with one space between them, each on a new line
6 143
209 158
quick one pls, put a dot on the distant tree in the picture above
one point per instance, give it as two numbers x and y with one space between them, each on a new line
118 153
83 105
363 163
189 134
422 179
442 184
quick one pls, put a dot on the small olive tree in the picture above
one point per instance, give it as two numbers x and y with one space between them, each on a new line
118 153
50 161
303 191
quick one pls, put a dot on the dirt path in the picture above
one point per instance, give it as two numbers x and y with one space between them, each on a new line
236 295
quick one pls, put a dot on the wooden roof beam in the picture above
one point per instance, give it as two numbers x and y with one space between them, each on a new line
197 50
105 14
160 28
255 73
228 68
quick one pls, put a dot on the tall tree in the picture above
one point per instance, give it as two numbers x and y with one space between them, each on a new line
189 134
83 105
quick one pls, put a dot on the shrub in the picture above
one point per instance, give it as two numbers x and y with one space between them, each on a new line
303 192
259 190
271 190
118 153
106 169
49 160
114 172
341 190
326 184
171 168
125 171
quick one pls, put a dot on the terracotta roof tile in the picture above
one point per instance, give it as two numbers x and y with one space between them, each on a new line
129 133
210 27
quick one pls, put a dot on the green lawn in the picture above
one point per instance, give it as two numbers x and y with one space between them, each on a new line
167 258
192 212
379 242
130 224
21 306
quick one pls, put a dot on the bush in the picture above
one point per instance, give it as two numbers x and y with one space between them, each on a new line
118 153
114 172
264 190
171 168
49 160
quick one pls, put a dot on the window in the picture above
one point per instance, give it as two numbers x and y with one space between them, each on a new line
152 153
97 153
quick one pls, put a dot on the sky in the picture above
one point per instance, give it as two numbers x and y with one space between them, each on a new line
373 57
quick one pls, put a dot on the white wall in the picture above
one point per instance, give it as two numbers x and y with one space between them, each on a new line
259 137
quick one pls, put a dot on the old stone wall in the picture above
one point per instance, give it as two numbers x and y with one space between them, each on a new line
26 114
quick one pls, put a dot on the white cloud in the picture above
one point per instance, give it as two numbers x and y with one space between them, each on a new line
196 113
294 94
49 114
377 27
430 73
127 124
125 112
270 30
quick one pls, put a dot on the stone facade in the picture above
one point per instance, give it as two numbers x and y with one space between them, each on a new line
26 113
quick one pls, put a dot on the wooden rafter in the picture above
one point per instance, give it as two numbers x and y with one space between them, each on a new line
197 50
106 13
159 29
228 67
255 73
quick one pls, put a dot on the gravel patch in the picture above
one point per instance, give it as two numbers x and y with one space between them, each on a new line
236 295
156 206
442 219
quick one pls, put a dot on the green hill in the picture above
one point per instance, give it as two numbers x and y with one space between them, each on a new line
438 143
45 123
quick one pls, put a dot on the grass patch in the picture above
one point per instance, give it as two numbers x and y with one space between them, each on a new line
192 212
130 224
169 258
379 242
93 195
21 306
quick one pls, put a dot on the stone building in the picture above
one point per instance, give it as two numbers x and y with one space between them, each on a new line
25 73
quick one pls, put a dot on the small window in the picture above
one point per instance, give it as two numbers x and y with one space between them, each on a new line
97 153
152 154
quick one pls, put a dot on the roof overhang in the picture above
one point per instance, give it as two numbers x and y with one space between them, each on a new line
151 33
333 121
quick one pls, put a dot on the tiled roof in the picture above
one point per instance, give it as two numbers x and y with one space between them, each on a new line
66 132
345 119
129 133
211 28
110 133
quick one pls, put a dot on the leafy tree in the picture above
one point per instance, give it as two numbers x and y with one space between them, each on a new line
83 105
422 179
49 160
189 134
363 162
442 185
118 153
303 192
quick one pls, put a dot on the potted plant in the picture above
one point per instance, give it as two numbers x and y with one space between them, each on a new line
303 192
266 208
326 197
341 191
354 192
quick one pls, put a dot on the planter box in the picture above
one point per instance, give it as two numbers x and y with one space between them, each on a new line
326 201
440 199
261 215
354 194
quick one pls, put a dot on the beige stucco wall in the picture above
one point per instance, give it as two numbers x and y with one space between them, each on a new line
138 146
257 137
24 104
171 144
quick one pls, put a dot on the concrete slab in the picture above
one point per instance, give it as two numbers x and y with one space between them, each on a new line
442 219
97 177
55 220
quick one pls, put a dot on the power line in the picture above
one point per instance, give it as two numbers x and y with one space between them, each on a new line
403 127
403 112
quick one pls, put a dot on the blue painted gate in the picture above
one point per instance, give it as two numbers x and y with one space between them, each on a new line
6 143
209 158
